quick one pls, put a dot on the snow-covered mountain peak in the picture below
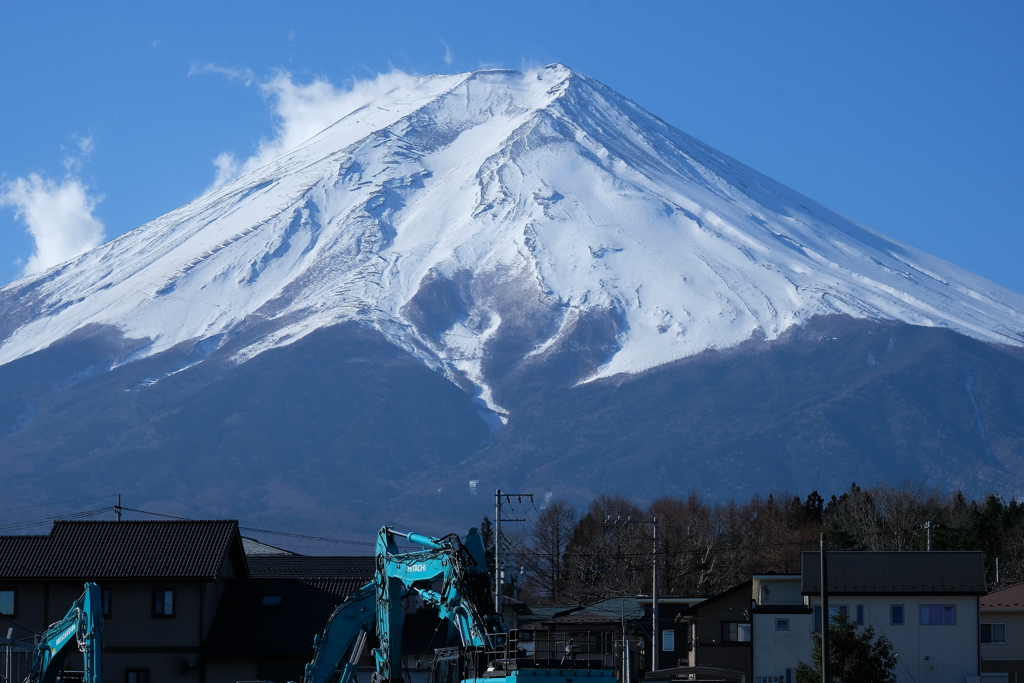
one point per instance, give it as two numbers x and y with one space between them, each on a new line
460 210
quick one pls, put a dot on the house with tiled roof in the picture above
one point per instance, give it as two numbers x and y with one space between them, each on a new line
161 582
1002 632
182 601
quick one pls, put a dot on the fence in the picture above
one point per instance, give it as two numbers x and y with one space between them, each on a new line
15 660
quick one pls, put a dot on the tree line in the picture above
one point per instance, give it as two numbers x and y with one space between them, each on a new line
569 557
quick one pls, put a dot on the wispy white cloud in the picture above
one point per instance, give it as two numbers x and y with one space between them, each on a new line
302 111
449 57
232 73
73 163
58 215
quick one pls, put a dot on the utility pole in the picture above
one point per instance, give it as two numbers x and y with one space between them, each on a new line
497 550
117 508
928 528
654 588
826 663
498 496
626 653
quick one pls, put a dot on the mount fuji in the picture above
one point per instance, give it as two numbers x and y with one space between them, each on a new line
511 279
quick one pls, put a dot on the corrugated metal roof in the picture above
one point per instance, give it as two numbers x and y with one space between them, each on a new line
244 624
611 610
96 550
921 573
311 567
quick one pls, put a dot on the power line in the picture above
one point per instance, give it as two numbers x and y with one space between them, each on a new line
62 502
263 531
28 523
312 538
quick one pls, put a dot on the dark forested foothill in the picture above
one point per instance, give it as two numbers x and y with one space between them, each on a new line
705 548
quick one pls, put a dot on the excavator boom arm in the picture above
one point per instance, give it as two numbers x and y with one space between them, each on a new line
346 628
81 626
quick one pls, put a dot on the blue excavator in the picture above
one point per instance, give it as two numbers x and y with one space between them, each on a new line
463 598
82 626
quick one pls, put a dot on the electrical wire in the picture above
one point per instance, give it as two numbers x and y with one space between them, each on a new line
28 523
62 502
263 531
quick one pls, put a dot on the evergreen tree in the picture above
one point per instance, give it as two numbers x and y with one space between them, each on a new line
487 535
855 655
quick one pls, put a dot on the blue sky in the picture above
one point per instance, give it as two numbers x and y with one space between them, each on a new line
904 116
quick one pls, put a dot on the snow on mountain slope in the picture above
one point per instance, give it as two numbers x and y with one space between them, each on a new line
546 186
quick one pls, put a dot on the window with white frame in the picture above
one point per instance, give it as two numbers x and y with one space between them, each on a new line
782 624
993 634
163 602
735 632
896 617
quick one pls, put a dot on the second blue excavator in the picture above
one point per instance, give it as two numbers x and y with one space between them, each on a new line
464 599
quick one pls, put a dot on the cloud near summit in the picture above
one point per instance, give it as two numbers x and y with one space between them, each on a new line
302 111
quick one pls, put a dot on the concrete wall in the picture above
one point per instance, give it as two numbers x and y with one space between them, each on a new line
783 589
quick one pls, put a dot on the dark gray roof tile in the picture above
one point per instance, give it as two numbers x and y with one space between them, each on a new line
310 567
911 573
96 550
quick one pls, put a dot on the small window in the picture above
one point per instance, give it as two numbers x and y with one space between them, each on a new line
938 615
833 610
271 601
782 624
105 602
896 615
735 632
136 676
8 602
860 615
668 641
163 603
993 634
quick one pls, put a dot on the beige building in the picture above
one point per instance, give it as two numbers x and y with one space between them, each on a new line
182 601
161 583
1002 633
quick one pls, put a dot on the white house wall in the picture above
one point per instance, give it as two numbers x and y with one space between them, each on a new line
927 654
775 651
